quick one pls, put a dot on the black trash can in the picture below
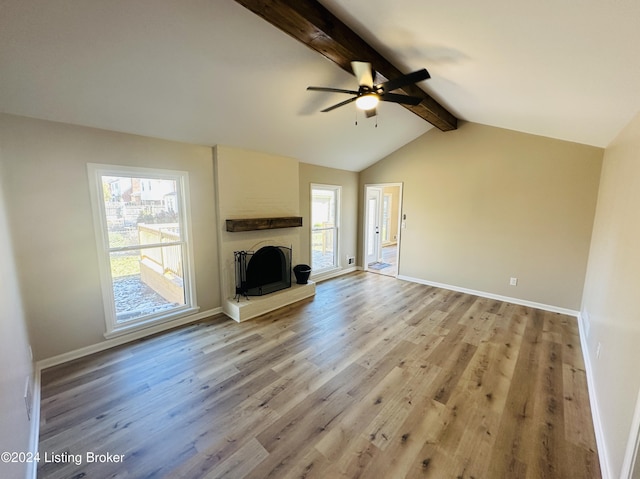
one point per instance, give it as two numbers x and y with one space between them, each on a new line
302 272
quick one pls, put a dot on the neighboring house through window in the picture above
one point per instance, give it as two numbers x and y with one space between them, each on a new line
142 227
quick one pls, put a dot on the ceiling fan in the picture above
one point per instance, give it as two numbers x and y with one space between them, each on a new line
368 94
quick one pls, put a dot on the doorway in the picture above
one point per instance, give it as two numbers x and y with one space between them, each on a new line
383 206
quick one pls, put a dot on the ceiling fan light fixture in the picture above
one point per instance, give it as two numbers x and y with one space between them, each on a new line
368 101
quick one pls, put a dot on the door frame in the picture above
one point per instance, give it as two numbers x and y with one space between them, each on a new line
631 459
373 193
365 229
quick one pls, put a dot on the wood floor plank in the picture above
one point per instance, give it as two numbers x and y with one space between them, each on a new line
283 437
516 426
547 443
336 441
576 400
420 424
372 378
241 462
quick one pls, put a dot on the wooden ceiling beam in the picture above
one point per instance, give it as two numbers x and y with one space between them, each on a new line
312 24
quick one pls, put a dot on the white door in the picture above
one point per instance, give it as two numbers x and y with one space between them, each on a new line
374 223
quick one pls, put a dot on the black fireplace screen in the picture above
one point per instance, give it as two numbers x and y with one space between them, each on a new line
262 272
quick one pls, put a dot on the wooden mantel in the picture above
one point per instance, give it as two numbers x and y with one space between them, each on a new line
253 224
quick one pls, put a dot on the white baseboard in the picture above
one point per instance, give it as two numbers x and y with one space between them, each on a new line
593 400
123 339
335 273
62 358
633 444
605 468
483 294
32 469
34 430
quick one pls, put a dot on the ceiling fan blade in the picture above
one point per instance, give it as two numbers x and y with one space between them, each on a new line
403 99
370 113
334 90
363 73
342 103
404 80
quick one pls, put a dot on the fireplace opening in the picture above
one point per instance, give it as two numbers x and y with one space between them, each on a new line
262 272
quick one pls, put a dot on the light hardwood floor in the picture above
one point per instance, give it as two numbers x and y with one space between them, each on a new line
389 257
373 378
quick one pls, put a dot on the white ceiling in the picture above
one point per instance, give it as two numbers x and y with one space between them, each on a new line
211 72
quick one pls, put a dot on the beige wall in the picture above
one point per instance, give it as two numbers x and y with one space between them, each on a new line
348 180
610 306
485 204
14 354
49 210
482 204
51 222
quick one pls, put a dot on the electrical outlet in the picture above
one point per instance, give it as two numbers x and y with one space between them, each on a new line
351 260
513 282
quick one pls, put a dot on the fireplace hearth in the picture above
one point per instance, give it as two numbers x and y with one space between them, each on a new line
262 272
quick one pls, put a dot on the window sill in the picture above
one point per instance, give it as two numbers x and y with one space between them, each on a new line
124 328
325 273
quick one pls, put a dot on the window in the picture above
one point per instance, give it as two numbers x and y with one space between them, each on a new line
325 205
386 218
142 229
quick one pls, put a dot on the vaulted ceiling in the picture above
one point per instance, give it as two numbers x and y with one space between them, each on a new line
212 72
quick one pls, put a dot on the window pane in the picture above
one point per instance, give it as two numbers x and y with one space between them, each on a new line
324 228
323 249
147 281
324 209
371 221
386 218
142 217
131 202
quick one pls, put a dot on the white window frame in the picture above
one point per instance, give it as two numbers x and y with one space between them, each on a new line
114 327
337 190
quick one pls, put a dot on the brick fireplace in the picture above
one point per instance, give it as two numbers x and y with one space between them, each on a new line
265 197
